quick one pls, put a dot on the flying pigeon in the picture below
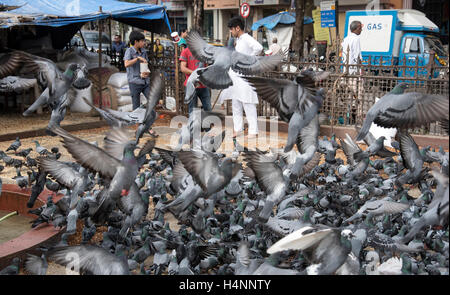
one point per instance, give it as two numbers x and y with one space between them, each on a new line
206 171
58 87
90 259
378 207
297 102
405 110
324 247
118 118
221 59
121 173
270 178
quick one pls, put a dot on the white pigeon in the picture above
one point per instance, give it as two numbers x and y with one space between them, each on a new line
378 131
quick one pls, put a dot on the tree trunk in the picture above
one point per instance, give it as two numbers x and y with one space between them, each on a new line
198 15
297 35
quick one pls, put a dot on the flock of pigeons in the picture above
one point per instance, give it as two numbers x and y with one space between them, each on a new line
275 212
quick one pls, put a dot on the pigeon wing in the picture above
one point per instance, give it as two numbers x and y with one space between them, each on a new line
301 239
157 86
201 165
115 141
200 49
267 172
308 167
309 135
350 148
35 265
280 94
414 109
89 156
91 259
10 63
252 65
61 172
408 149
170 157
147 148
16 84
112 121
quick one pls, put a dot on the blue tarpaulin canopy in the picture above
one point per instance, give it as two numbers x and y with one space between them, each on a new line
284 17
58 13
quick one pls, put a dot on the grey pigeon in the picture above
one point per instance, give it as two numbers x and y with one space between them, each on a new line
374 148
324 247
378 207
270 178
90 259
14 145
297 102
412 159
405 110
172 268
244 264
76 181
122 173
307 144
382 152
36 265
117 118
206 171
221 59
350 148
58 87
40 149
437 212
13 268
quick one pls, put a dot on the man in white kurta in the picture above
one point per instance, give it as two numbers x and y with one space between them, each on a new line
351 51
352 45
243 97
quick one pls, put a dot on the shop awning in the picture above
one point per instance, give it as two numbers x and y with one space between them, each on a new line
284 17
59 13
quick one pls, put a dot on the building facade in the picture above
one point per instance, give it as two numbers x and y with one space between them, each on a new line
218 12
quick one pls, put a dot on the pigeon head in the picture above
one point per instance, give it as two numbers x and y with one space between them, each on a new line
71 69
400 88
128 149
80 80
347 234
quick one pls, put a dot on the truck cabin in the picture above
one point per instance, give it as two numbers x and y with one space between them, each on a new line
403 37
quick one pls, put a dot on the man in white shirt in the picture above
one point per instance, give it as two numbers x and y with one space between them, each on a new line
244 98
275 47
352 46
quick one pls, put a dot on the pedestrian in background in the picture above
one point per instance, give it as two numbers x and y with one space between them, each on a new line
182 43
158 49
275 47
188 64
118 45
351 53
134 56
243 97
